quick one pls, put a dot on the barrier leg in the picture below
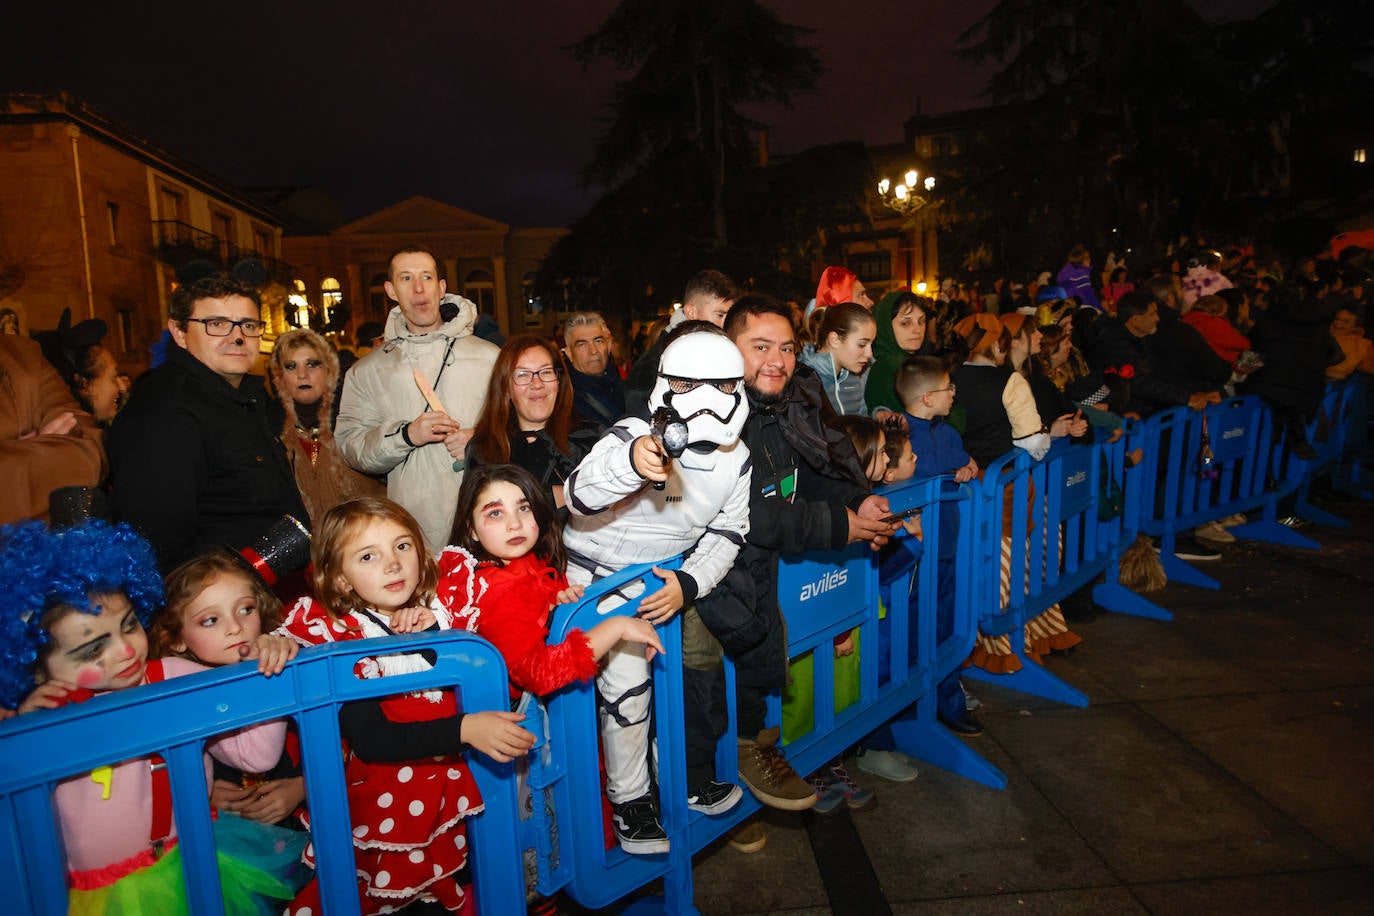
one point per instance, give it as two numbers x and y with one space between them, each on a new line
927 739
1306 510
1035 679
1179 571
1116 597
1271 532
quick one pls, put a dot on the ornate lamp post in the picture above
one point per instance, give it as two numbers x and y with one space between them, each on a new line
906 196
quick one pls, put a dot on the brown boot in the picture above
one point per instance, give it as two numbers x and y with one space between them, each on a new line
770 777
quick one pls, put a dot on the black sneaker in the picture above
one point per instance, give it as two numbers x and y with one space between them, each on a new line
637 827
714 797
1192 549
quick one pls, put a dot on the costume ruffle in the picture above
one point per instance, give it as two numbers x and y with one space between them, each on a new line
259 870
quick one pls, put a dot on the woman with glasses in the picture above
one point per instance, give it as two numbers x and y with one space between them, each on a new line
304 368
528 416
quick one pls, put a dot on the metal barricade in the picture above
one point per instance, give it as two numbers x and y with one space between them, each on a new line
1204 465
175 718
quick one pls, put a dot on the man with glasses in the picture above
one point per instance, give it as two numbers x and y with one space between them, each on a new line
194 456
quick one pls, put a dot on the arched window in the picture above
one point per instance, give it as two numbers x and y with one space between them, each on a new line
331 297
478 287
298 312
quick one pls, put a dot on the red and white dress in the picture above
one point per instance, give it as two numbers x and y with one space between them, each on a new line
409 839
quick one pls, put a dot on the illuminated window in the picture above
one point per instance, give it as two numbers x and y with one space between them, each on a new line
300 305
1360 154
331 297
478 287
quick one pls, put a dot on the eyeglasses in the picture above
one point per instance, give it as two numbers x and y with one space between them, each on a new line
951 389
523 377
679 385
220 327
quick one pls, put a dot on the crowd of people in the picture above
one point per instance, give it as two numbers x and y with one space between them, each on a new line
456 480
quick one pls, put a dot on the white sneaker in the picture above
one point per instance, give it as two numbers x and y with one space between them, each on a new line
1212 531
887 765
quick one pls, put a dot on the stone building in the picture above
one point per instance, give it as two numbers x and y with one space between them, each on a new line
488 261
97 219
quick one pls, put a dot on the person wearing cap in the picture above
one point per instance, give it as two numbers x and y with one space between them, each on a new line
387 426
46 440
195 460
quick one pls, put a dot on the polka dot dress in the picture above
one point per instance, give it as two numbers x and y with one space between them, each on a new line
409 839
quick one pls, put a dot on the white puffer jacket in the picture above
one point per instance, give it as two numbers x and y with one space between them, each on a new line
380 398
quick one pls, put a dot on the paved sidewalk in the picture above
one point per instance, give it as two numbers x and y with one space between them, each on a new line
1226 765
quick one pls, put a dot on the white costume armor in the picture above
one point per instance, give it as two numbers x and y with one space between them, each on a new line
618 520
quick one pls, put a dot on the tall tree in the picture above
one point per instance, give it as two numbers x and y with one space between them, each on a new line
695 63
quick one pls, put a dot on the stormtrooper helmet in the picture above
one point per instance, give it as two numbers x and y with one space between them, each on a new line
701 378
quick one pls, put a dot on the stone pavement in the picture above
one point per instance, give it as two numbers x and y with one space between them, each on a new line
1225 765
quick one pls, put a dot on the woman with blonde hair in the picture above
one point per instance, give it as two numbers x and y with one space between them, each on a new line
304 368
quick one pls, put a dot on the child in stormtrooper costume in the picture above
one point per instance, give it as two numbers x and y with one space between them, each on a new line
619 518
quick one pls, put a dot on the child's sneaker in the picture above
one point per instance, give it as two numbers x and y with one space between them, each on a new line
637 827
714 797
829 793
855 796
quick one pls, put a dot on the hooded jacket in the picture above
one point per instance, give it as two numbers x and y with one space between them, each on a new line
380 399
887 359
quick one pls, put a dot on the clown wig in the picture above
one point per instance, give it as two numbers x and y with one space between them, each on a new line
41 570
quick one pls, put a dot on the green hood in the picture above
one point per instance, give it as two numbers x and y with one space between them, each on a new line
887 358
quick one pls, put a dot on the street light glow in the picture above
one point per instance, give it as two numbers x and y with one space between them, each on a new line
911 177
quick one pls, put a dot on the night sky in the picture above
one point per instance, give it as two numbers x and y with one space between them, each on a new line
473 103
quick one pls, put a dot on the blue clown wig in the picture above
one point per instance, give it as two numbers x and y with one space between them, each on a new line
42 569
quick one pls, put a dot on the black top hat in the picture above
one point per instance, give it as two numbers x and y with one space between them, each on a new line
70 506
283 548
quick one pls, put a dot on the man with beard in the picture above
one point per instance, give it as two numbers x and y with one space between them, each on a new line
807 492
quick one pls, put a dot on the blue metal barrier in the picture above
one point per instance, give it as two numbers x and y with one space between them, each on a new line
1184 488
1069 543
176 717
1066 545
821 598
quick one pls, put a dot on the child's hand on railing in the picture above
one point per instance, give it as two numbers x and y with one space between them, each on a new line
844 645
913 527
967 472
604 636
569 595
272 653
48 695
414 619
496 734
664 603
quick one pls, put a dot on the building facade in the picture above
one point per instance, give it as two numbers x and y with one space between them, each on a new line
488 261
97 219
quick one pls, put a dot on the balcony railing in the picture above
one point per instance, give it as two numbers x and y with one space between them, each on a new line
180 243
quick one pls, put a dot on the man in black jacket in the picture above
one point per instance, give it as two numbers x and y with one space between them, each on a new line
1130 340
194 456
808 492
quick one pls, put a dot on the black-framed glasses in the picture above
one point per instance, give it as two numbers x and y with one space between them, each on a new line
221 327
522 377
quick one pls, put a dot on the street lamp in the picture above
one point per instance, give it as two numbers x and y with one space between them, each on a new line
905 196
